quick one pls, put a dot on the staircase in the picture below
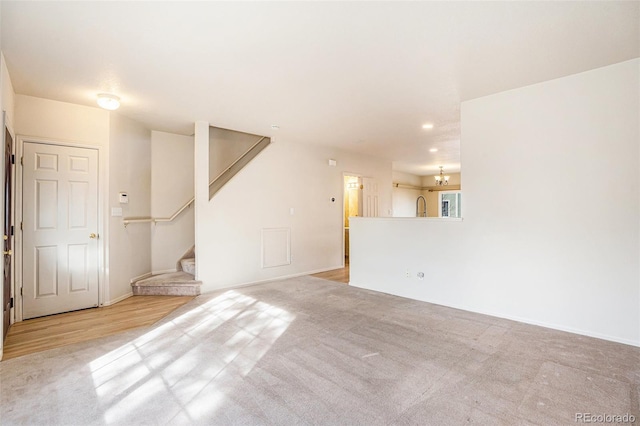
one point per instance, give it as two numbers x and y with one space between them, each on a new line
182 282
179 283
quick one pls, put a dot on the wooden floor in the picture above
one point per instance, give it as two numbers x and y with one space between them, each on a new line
54 331
337 275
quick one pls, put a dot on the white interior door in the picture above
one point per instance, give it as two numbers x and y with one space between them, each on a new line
370 197
60 226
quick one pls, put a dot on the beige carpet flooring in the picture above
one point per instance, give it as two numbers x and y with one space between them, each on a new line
310 351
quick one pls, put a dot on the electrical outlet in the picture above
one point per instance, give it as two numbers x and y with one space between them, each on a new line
420 275
407 274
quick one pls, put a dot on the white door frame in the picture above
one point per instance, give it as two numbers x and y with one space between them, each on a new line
359 176
6 122
102 228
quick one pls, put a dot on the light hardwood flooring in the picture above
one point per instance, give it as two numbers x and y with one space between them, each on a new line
54 331
336 275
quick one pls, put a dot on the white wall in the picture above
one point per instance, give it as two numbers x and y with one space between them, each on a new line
564 252
130 172
404 199
6 91
62 121
285 175
126 169
172 167
225 147
76 124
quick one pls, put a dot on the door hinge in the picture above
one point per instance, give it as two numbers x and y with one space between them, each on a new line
13 159
22 161
11 303
20 291
21 226
12 229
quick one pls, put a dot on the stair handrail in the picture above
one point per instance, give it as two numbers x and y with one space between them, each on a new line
128 220
237 160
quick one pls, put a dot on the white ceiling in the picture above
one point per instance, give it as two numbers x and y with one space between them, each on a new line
359 75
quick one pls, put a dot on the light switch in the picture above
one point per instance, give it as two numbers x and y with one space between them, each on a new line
116 211
124 198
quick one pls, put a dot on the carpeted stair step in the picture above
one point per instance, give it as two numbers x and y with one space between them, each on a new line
189 265
172 284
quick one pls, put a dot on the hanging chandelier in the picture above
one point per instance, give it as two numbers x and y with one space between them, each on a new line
442 179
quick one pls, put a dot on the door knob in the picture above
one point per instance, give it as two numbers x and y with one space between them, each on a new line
8 252
93 236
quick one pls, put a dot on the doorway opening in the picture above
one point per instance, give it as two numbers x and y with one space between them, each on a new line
8 229
352 207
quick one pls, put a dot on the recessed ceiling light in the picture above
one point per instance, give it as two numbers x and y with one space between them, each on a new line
427 126
433 150
108 101
275 126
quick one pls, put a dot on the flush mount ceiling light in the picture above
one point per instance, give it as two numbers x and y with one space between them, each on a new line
441 179
427 126
433 150
108 101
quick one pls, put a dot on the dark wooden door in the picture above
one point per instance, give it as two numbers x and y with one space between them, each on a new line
8 234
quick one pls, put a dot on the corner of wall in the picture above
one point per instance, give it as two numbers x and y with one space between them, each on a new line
169 192
288 186
129 249
522 251
7 96
201 181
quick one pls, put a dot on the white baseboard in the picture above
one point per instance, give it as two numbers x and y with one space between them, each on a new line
119 299
140 277
268 280
523 320
554 326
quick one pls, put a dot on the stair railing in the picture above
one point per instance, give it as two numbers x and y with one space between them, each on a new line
230 171
127 220
237 161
